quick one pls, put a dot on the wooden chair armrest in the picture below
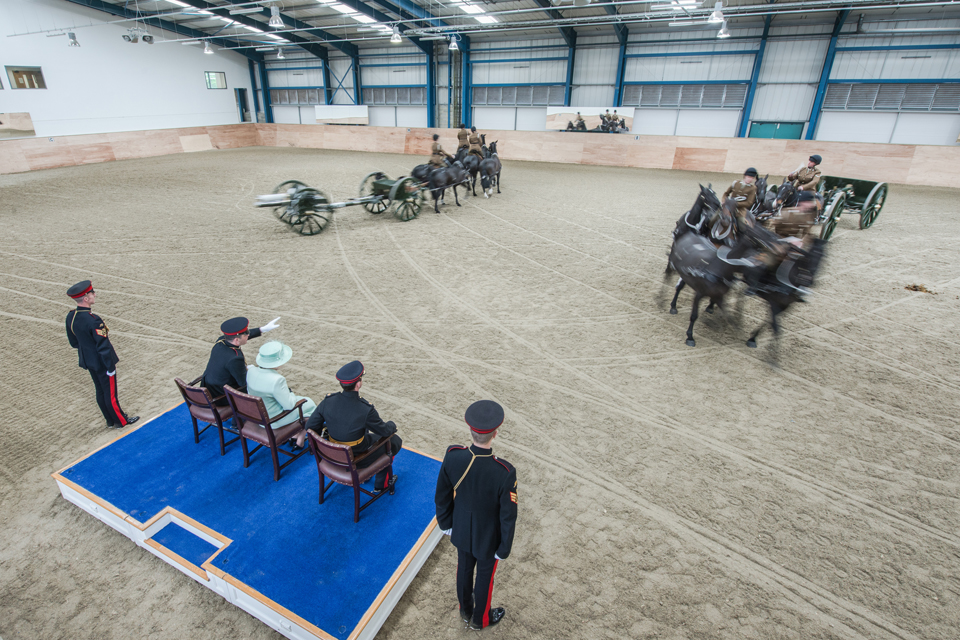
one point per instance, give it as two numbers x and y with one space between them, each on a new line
376 445
298 407
195 382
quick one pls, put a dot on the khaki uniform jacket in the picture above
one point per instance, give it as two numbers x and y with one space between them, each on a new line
475 144
806 178
578 119
743 194
438 157
793 222
463 137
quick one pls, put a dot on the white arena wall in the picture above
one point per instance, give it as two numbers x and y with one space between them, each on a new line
106 84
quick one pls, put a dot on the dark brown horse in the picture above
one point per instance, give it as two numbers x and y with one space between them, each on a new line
490 168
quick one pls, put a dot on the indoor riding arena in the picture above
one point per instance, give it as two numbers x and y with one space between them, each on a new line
806 486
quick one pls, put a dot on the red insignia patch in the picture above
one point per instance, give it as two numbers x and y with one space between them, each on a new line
513 497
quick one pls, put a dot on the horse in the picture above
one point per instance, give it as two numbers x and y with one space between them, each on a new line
490 170
422 172
441 179
696 218
709 273
471 163
787 195
788 284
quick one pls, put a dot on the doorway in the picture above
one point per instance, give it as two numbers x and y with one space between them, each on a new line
242 105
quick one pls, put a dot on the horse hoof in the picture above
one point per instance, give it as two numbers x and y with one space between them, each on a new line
752 344
709 309
673 311
485 195
691 342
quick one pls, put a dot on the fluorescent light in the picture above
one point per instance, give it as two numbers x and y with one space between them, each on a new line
469 8
433 37
342 8
688 23
485 19
245 11
207 48
254 29
190 42
261 49
178 3
717 16
362 18
395 38
724 32
275 37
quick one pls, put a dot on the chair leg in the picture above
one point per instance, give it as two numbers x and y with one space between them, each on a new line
222 447
196 431
323 487
356 502
246 453
276 462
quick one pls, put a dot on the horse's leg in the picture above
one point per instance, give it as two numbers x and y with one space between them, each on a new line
455 198
436 200
498 182
473 183
673 304
694 313
709 308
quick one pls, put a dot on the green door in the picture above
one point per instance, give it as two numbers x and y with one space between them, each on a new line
763 130
777 130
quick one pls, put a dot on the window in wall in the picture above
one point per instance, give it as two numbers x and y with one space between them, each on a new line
685 96
296 96
528 96
216 79
395 96
26 78
864 96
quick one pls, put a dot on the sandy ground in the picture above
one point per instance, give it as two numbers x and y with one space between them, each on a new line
665 491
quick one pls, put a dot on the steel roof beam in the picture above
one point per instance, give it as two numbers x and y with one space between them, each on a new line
620 29
166 25
569 35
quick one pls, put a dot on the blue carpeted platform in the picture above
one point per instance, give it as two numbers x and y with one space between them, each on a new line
309 558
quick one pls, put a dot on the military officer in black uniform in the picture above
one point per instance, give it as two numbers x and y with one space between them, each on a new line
89 335
352 420
227 364
477 507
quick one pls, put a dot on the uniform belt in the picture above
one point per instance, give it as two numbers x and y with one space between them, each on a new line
348 444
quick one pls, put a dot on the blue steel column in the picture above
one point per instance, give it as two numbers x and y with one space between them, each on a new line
357 89
618 85
253 88
265 86
571 59
449 90
825 75
466 101
327 89
431 91
752 91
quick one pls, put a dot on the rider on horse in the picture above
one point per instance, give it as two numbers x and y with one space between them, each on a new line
794 227
463 138
439 157
743 192
474 140
577 124
806 178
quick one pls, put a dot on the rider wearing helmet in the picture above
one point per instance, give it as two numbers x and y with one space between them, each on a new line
743 191
806 178
463 136
439 156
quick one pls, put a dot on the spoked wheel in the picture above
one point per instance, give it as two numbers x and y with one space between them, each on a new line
284 212
873 205
311 218
406 192
832 214
366 190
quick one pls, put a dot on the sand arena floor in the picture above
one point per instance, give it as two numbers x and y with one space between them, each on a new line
665 491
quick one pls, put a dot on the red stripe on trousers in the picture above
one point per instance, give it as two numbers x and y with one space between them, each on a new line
115 402
486 613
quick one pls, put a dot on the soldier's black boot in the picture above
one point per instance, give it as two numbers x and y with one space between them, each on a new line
496 615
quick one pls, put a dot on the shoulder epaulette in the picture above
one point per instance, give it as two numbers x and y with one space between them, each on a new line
456 447
506 465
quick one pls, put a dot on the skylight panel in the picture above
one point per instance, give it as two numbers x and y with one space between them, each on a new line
254 29
362 18
470 8
342 8
485 19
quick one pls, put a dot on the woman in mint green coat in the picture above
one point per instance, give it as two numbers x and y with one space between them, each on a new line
264 381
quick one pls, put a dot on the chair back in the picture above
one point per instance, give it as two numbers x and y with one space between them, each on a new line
194 396
246 407
331 454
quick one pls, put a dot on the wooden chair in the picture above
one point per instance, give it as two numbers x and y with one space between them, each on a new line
336 461
203 409
255 425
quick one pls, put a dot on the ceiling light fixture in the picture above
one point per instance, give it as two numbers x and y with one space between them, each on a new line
724 32
72 40
262 49
395 38
717 16
453 43
190 42
280 54
275 20
433 37
245 11
207 48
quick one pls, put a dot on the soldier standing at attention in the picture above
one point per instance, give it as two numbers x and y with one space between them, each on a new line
743 191
463 138
474 140
806 178
227 364
89 335
438 154
477 507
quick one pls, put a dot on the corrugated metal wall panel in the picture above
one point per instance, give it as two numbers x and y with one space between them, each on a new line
391 76
688 68
783 102
707 123
847 126
340 68
299 78
926 128
796 61
519 72
596 66
592 96
655 122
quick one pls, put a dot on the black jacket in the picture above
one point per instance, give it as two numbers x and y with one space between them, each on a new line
349 418
484 513
89 336
226 366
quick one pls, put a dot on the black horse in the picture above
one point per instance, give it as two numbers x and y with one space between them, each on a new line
702 210
442 179
788 284
471 163
422 172
787 195
490 168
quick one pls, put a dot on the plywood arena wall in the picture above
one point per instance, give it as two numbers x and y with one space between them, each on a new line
905 164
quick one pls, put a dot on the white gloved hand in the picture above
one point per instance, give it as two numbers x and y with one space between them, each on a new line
112 373
447 532
497 557
270 326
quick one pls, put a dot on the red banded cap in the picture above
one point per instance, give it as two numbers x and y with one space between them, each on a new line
484 416
80 289
350 373
234 326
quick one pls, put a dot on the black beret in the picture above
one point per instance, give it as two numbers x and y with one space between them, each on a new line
80 289
815 159
484 416
751 172
234 326
350 372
